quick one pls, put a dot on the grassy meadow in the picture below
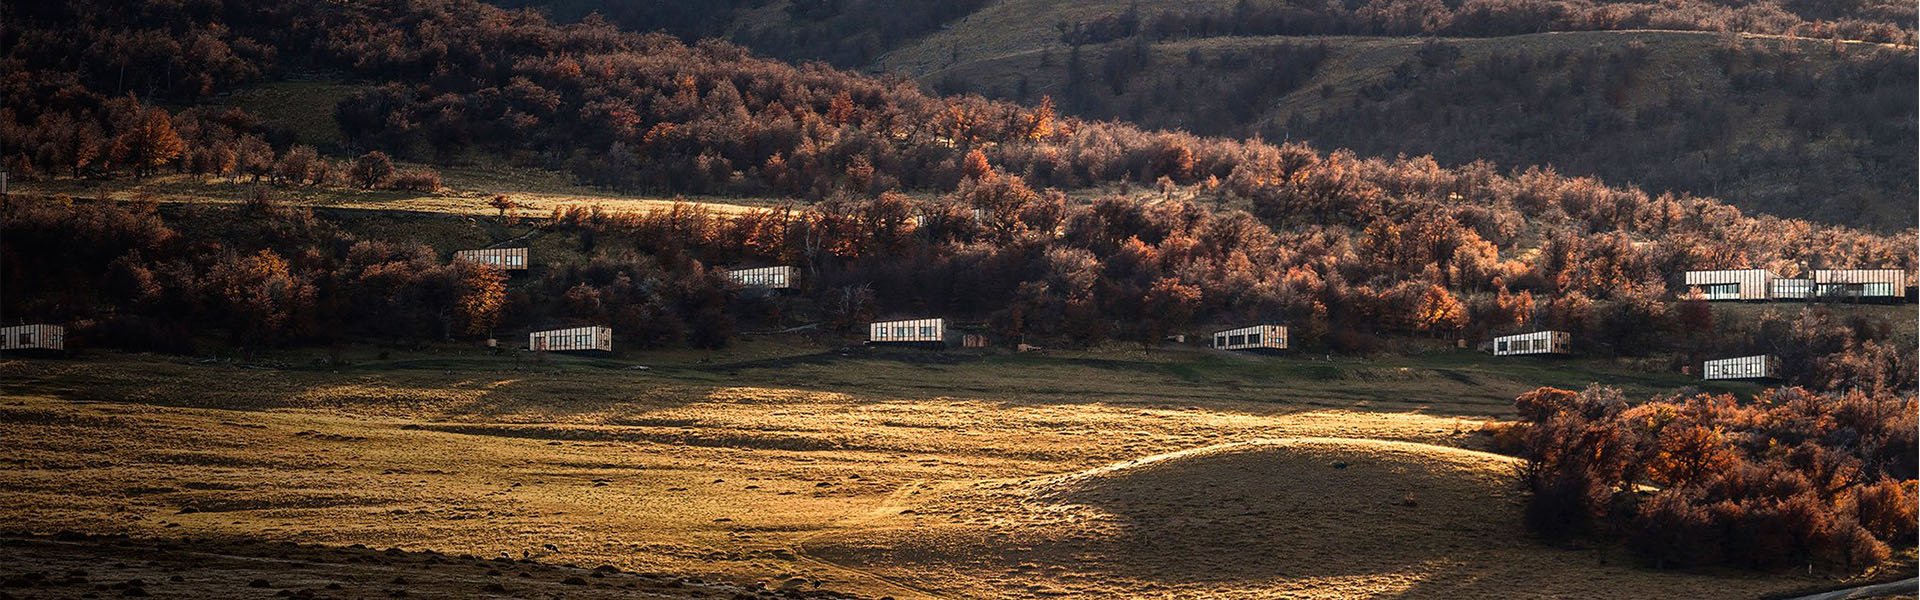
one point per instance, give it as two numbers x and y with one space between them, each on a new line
787 458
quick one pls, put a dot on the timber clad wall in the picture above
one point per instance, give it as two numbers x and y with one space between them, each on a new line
1273 337
909 331
1744 367
33 337
571 339
1539 342
1860 283
1741 284
777 278
512 259
1790 289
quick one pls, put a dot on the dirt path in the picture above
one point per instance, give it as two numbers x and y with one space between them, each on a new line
893 503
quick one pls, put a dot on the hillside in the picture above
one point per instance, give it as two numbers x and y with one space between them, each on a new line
1290 517
1814 101
1796 128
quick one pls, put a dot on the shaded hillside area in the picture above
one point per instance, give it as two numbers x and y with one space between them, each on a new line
1815 129
921 34
1792 128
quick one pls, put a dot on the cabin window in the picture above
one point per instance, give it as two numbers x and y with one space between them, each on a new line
926 332
26 339
1722 290
1237 340
516 260
1219 340
903 332
580 340
1253 338
1500 346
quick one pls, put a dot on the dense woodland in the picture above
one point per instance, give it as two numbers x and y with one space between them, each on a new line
1793 479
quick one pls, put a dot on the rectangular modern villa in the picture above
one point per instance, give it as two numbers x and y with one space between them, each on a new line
1743 367
773 278
33 337
1737 284
511 259
908 332
1257 337
572 339
1823 284
1538 342
1860 283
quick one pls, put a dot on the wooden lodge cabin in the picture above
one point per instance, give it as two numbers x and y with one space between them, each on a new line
572 339
511 259
1257 337
40 337
909 332
1538 342
1743 367
770 278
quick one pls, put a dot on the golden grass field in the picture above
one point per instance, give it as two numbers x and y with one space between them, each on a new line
467 191
783 462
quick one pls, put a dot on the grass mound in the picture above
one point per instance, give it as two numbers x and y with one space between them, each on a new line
1294 517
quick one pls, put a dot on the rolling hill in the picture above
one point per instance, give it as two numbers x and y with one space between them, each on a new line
1778 108
1290 517
1797 128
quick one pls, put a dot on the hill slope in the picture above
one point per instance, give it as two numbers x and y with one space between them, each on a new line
1297 518
1652 94
1795 128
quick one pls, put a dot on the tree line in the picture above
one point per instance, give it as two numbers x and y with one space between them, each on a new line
1025 266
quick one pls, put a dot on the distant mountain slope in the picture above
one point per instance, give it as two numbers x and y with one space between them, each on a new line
1656 94
1012 26
1795 128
